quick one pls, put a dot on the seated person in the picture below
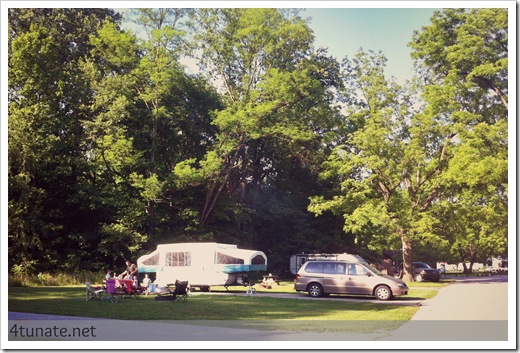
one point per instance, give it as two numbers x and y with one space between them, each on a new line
109 275
146 284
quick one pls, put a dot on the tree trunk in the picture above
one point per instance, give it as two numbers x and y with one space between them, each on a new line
465 268
407 259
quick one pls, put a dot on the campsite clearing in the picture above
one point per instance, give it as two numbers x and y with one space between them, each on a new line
71 301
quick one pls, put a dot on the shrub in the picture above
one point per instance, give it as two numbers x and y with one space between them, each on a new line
54 279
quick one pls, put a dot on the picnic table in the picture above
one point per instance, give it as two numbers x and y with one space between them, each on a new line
126 283
118 288
269 280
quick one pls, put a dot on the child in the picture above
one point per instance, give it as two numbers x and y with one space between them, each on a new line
109 274
146 284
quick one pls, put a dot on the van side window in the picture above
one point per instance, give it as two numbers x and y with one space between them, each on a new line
314 267
355 270
334 268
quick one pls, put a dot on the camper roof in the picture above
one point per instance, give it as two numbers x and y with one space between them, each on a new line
188 246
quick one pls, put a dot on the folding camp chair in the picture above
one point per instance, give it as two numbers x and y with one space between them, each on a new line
181 291
114 294
131 292
92 292
179 294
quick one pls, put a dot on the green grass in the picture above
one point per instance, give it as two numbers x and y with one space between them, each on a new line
284 287
235 311
263 311
288 287
418 290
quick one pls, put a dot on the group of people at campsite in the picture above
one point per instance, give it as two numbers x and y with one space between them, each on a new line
131 273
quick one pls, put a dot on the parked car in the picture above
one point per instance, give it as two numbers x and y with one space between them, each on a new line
423 272
319 278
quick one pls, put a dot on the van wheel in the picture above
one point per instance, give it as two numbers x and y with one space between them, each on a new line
315 290
383 293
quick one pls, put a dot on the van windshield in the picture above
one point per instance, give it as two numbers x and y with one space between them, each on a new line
373 269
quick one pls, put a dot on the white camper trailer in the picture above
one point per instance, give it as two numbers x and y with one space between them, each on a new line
202 264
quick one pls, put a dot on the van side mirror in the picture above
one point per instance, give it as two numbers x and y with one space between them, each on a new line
369 274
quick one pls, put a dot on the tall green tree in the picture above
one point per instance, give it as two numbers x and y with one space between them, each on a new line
110 150
390 166
149 115
48 202
467 50
463 57
277 103
173 114
97 121
426 176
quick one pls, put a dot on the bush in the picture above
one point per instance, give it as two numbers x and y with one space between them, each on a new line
54 279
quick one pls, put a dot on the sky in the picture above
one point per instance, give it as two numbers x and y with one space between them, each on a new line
345 30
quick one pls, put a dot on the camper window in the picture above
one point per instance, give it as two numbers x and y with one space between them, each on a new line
151 261
174 259
258 260
226 259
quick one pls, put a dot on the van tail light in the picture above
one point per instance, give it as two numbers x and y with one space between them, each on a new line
297 276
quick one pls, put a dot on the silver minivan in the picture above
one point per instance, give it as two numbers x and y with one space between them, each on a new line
320 278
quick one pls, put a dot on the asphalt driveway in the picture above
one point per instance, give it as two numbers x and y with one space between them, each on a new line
470 309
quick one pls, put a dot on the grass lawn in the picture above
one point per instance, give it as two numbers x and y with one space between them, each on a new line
236 310
288 287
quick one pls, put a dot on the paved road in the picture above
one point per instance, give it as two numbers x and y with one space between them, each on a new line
478 298
471 309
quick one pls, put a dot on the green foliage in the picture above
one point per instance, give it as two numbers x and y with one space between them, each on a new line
467 49
114 147
400 168
274 99
371 169
54 279
470 90
46 106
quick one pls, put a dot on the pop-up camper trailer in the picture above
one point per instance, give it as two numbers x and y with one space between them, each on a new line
202 264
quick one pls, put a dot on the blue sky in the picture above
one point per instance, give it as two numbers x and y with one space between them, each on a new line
344 30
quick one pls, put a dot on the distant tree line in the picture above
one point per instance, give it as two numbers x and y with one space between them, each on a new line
115 146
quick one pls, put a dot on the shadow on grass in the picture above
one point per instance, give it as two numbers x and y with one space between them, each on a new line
70 301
